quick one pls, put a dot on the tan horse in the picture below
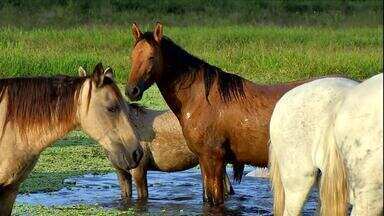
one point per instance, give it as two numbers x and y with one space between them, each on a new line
34 112
164 146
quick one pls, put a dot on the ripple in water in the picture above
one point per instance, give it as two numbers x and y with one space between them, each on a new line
171 193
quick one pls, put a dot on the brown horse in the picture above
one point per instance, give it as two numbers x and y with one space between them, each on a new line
34 112
224 117
164 149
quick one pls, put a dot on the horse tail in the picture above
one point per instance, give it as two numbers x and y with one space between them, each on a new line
333 184
277 186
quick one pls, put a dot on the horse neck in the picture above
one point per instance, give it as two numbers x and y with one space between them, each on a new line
53 130
44 135
176 64
50 133
142 121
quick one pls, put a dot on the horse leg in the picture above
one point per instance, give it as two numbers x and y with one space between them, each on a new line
227 185
297 183
204 180
367 206
140 176
7 199
125 180
368 200
212 168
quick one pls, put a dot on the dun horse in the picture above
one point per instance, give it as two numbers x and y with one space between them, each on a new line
224 117
164 148
333 126
34 112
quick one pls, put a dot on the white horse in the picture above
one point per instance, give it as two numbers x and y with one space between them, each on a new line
335 126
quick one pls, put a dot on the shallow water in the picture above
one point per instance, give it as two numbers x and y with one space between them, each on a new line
169 193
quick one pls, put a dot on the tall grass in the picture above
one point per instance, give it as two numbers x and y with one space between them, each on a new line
262 54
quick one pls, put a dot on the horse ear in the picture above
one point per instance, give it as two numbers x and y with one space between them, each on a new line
158 32
98 74
109 73
82 72
136 31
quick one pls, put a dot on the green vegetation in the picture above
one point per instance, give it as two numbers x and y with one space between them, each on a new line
262 54
80 210
67 13
261 40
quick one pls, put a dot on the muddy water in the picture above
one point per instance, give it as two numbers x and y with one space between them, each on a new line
170 194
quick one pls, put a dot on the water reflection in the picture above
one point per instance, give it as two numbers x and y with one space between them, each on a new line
169 193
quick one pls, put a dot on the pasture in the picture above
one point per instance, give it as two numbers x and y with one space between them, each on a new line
264 52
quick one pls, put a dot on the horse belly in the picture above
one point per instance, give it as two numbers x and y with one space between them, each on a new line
172 155
250 146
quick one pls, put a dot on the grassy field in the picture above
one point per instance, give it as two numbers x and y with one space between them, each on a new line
262 54
264 41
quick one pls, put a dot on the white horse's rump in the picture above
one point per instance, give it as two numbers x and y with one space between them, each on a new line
333 125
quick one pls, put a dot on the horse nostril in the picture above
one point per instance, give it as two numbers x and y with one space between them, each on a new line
135 91
136 156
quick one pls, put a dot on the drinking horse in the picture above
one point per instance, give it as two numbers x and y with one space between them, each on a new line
34 112
163 144
224 117
332 126
164 149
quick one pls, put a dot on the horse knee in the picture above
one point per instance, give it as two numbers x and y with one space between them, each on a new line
296 191
213 181
370 204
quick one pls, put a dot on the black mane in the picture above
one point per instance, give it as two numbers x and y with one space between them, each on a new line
184 67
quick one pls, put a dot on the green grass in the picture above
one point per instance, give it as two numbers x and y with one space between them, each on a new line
262 54
80 210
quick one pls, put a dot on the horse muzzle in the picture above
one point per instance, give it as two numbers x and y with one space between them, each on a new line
134 93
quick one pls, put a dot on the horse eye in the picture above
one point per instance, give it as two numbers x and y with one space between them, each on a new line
114 108
151 58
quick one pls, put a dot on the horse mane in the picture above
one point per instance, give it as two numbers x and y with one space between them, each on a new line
37 101
185 68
